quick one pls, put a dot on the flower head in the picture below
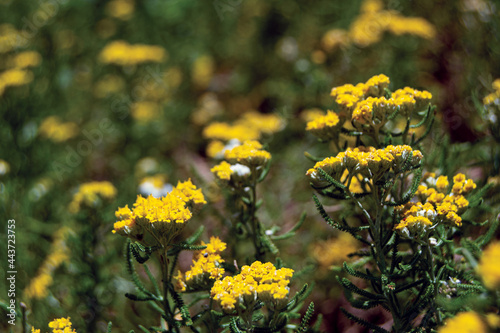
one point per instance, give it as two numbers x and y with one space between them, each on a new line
165 217
250 153
257 281
488 267
206 267
90 194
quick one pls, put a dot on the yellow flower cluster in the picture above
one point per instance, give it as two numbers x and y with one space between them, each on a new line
14 77
17 72
334 251
145 111
464 322
245 158
365 105
492 108
59 325
488 267
59 253
367 162
494 97
324 127
438 204
121 9
222 171
250 126
90 194
373 21
108 85
206 267
259 281
203 71
163 217
24 60
123 54
250 153
54 129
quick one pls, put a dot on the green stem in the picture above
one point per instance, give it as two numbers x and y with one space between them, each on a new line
259 251
165 278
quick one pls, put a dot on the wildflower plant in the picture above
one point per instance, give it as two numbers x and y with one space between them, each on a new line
153 225
406 221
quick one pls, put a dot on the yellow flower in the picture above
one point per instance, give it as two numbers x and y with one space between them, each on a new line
14 77
375 85
258 281
61 325
308 115
121 9
54 129
25 59
108 85
414 222
265 123
415 26
225 132
123 54
206 267
145 111
488 267
90 194
250 153
325 127
333 39
203 70
222 171
464 322
164 217
59 253
335 250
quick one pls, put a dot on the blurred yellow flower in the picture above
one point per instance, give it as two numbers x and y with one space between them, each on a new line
464 322
145 111
122 53
59 253
202 71
54 129
90 194
334 251
488 267
24 60
121 9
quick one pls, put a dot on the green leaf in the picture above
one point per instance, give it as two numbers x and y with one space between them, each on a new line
140 298
233 325
304 323
194 237
353 288
429 111
291 232
359 274
363 322
265 171
486 238
132 271
110 325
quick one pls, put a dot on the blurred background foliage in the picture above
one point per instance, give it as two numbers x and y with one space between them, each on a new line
72 113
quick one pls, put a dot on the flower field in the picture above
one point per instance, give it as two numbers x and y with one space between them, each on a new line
250 166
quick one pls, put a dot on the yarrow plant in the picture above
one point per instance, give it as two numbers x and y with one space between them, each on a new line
407 223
